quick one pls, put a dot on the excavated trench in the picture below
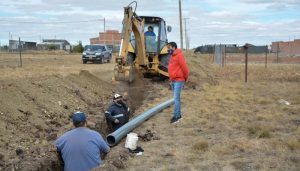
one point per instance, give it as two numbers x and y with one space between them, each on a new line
134 94
38 109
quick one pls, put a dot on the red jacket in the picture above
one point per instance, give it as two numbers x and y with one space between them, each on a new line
177 68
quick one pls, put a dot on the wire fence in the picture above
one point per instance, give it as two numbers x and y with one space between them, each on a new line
224 55
27 58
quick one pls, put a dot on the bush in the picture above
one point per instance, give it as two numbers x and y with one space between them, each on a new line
259 131
293 144
201 145
51 47
78 48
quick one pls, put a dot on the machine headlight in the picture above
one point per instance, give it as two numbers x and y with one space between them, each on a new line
98 53
83 53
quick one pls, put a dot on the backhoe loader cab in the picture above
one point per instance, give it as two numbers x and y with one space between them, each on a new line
154 44
143 47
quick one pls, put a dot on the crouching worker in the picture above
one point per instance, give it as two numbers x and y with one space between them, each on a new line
117 113
81 147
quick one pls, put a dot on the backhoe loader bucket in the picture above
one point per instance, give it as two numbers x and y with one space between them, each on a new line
124 74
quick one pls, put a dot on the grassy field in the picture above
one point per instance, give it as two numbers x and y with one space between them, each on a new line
227 124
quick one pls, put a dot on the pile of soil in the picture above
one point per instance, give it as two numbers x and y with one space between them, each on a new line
35 111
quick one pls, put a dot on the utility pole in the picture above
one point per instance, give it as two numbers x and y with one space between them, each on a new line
186 35
180 22
104 24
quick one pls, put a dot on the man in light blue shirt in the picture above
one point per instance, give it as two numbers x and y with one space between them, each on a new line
81 147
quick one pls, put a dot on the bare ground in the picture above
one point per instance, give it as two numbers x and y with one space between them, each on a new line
227 124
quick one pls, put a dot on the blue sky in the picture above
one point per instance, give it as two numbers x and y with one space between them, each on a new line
209 21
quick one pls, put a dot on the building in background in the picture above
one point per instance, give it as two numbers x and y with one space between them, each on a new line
14 45
111 38
289 48
54 44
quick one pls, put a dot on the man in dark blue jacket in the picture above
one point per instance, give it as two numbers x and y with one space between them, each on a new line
117 113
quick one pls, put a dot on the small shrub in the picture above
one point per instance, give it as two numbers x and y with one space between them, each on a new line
78 48
253 130
264 102
258 131
293 144
264 133
260 118
51 47
200 146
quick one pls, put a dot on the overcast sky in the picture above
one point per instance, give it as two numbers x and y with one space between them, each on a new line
209 21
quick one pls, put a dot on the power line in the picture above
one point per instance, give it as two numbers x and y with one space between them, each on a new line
53 22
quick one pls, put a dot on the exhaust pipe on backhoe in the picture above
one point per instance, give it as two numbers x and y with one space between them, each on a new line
113 138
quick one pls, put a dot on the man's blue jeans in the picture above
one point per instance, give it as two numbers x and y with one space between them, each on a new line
177 86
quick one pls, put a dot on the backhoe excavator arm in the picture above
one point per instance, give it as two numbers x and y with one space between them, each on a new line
125 62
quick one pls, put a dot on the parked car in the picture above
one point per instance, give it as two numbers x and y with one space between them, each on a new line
96 53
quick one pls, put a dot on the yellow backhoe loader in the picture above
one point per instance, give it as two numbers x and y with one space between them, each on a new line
141 51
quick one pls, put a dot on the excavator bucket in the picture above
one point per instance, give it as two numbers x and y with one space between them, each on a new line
127 73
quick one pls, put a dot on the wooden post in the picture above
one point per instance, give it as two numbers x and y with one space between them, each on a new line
246 64
20 47
246 46
277 52
266 57
224 55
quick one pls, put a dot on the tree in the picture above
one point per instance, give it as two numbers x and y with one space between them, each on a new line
78 48
51 47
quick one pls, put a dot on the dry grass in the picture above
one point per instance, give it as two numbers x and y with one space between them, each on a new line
200 146
227 124
47 64
259 132
293 144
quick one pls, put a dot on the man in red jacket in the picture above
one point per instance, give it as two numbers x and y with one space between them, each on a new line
178 74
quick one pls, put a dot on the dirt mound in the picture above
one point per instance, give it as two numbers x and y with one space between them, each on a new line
201 75
35 111
148 135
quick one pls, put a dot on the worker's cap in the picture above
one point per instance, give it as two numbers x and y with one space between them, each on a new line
78 117
117 96
150 27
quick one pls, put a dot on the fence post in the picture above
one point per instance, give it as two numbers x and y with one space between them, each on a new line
277 52
246 64
246 46
225 55
20 47
266 57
